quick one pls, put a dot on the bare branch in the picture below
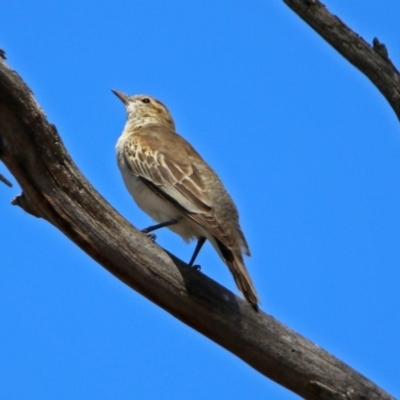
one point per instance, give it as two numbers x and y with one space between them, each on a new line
373 62
54 189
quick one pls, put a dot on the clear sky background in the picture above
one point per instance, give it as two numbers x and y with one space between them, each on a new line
306 145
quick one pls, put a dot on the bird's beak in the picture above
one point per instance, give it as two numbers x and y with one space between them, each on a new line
122 96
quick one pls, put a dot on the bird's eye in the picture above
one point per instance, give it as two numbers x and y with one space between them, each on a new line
146 100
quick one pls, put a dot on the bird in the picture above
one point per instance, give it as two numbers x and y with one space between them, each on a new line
171 182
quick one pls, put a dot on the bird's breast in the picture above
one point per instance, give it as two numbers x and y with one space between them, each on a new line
154 205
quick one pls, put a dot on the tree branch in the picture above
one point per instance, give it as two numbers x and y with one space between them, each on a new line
54 189
374 62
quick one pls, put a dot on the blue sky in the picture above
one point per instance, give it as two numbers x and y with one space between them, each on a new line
306 145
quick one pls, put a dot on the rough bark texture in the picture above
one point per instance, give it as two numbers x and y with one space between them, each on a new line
54 189
373 61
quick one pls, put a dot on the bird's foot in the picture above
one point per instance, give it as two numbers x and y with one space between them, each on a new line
196 267
151 236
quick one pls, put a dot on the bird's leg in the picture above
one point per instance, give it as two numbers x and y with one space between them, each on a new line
199 245
159 226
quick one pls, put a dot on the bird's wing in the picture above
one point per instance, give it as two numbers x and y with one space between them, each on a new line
161 158
166 165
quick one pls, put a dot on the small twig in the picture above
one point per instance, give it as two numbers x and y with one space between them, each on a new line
5 180
381 49
21 201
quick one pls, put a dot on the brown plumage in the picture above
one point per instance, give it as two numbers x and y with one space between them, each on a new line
170 181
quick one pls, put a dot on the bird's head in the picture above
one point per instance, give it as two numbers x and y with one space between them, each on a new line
143 109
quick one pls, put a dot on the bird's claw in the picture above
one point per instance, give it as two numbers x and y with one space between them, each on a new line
197 267
151 236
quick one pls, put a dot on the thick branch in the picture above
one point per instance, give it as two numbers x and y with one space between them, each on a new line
373 61
54 189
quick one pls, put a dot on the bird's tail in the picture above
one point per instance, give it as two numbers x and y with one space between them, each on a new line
243 280
235 263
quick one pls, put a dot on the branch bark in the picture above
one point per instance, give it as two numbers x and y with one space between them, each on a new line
54 189
372 61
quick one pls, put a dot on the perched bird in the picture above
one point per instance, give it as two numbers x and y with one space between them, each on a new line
170 181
